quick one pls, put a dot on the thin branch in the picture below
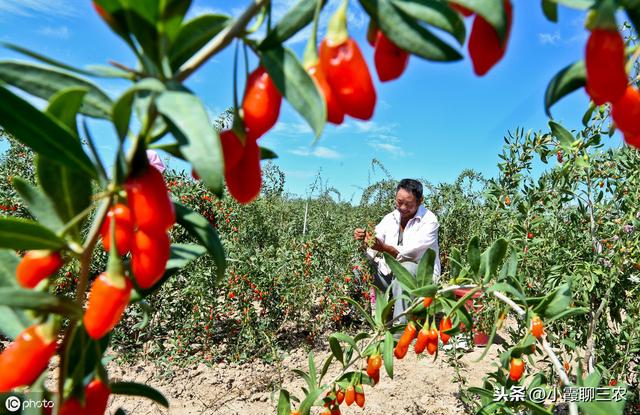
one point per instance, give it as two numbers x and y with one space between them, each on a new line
220 41
510 303
573 407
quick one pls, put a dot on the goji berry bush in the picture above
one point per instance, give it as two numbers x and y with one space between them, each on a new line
220 263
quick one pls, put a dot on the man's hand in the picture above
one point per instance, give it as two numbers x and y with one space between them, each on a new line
378 245
359 234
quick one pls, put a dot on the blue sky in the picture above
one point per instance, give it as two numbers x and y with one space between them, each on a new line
435 121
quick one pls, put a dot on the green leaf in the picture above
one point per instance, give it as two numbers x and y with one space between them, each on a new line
284 403
426 291
193 35
492 10
562 134
456 262
403 276
567 313
69 191
345 338
295 19
424 274
40 301
387 353
473 254
408 34
506 288
40 206
137 389
381 303
42 133
44 82
495 256
362 312
566 81
306 405
122 107
199 141
555 302
12 322
296 86
577 4
550 10
266 154
181 255
313 375
65 105
435 13
325 367
202 230
21 234
47 60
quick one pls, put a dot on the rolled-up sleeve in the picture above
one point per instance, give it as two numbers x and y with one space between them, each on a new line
427 237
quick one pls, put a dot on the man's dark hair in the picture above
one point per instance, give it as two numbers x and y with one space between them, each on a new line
412 186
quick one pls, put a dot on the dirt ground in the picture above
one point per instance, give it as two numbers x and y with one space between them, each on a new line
420 386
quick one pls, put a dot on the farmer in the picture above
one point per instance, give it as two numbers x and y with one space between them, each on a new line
406 234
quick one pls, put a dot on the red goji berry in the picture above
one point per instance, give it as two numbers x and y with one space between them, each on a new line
626 112
485 47
347 74
426 301
360 396
244 180
374 362
108 298
423 339
339 396
350 395
27 356
390 60
537 327
95 403
432 344
445 324
261 103
516 369
149 255
408 335
604 62
335 114
124 228
36 266
149 201
400 351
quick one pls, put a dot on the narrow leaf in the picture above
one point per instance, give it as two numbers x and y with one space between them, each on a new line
193 35
400 273
202 230
566 81
295 19
199 141
44 82
40 206
137 389
40 301
42 133
296 86
21 234
436 14
388 353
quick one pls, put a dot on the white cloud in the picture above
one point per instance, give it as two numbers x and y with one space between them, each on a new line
320 152
31 7
60 32
392 149
292 128
549 38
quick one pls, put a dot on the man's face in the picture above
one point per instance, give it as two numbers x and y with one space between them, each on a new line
406 204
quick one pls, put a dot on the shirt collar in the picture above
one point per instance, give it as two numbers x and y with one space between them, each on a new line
418 216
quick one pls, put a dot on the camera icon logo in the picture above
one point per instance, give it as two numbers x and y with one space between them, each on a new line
12 403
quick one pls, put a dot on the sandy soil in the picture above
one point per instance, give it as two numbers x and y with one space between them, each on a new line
420 386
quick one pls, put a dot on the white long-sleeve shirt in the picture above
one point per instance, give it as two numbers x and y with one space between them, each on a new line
420 234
